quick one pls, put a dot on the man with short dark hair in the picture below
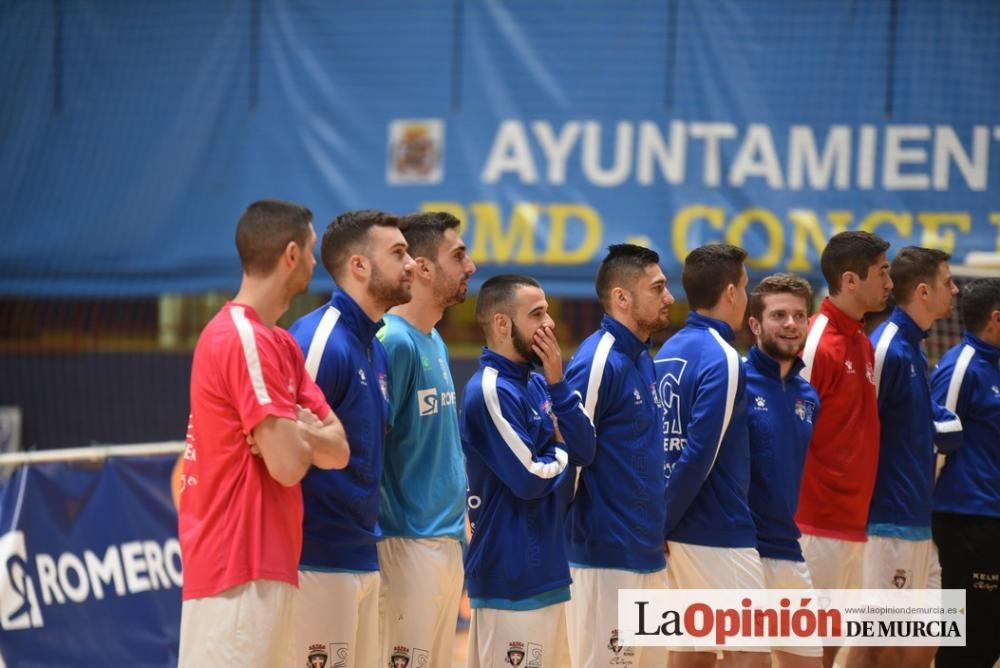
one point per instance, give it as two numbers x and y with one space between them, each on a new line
709 530
615 524
366 255
899 552
257 423
520 431
781 410
966 522
841 463
422 501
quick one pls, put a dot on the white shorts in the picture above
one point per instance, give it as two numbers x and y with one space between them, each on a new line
592 618
517 637
249 625
833 563
418 599
786 574
703 567
338 616
901 564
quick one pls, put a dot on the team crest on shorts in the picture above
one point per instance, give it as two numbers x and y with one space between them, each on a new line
416 149
317 657
899 579
515 653
400 657
622 653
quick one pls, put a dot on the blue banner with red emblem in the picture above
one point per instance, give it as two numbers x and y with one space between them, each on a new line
136 134
90 566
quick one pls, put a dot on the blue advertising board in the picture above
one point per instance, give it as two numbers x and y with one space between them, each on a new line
90 565
552 129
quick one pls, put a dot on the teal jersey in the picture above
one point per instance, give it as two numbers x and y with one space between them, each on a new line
423 485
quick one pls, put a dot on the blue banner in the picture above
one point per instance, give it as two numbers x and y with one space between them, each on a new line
135 136
90 566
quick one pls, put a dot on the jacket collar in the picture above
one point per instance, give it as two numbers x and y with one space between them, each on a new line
352 316
696 319
841 320
769 366
907 327
625 340
992 353
506 367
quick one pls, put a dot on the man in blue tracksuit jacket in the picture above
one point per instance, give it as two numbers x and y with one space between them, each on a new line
520 433
899 552
365 253
615 524
966 523
782 408
710 533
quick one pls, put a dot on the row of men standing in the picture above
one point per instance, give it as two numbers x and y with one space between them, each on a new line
597 439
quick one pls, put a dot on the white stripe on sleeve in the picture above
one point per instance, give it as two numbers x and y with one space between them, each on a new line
320 337
250 356
812 343
597 365
732 385
881 349
521 451
957 376
948 426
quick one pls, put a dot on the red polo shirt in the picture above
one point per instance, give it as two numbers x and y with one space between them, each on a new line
842 459
236 522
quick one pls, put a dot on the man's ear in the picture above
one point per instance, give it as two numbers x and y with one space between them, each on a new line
849 279
291 253
619 296
501 324
423 267
731 292
754 324
358 266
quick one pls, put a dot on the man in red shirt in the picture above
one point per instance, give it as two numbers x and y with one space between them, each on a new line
842 458
257 424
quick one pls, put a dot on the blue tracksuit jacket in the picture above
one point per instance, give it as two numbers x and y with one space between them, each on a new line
340 526
617 516
967 381
702 387
911 424
781 413
516 472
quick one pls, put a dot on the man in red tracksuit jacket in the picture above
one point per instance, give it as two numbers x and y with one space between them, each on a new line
842 459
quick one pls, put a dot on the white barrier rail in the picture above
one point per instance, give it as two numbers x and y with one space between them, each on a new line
91 453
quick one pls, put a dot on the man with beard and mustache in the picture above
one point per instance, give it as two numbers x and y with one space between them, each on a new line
520 432
422 503
615 523
781 409
366 255
899 552
257 423
839 473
